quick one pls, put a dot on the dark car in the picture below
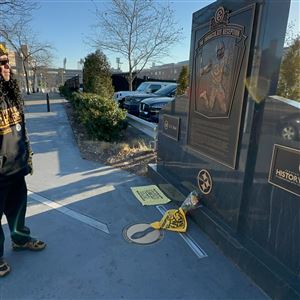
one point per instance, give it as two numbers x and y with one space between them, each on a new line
144 88
289 127
132 103
150 107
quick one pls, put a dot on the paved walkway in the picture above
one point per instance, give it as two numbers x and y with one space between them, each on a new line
81 208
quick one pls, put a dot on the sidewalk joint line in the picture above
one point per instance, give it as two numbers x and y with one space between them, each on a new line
69 212
187 238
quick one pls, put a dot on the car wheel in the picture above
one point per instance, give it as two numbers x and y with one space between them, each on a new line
288 132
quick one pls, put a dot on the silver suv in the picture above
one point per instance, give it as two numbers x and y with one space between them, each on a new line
145 87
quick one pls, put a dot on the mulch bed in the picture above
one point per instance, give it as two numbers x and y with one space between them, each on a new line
134 157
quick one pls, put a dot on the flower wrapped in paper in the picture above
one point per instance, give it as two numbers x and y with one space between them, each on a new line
175 219
191 202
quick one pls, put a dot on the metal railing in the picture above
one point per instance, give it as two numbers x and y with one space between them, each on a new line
146 127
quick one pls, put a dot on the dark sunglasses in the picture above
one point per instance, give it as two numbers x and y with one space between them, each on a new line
4 62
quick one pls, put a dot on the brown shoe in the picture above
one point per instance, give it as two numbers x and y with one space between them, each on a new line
32 244
4 268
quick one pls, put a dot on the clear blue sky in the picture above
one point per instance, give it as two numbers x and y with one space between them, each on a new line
65 24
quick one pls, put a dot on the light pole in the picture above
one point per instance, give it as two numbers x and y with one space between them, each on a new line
62 76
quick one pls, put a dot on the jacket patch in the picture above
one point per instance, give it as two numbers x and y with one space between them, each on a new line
8 118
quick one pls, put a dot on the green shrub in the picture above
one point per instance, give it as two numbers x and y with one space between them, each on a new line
183 81
101 116
65 91
289 83
97 75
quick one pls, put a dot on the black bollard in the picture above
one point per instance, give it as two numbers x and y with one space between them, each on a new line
48 103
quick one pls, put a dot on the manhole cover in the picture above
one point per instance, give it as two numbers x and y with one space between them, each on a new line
142 234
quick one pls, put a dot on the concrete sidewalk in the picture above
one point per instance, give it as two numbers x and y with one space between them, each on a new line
80 209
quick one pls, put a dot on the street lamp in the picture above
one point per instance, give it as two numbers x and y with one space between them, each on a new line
63 72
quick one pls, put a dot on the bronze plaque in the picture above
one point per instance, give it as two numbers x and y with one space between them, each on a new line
171 126
285 169
220 57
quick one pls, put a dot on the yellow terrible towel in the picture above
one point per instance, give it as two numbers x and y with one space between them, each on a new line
173 219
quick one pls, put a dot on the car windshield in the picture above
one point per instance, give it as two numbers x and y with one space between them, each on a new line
166 90
142 87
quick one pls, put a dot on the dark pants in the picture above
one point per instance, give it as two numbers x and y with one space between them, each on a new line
13 203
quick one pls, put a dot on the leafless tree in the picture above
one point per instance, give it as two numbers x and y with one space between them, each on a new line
141 31
11 11
291 33
40 61
18 36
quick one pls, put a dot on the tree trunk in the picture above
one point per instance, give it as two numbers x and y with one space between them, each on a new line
26 78
130 80
34 79
27 82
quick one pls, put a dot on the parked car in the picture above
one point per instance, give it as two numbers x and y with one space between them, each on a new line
150 107
146 87
132 103
289 127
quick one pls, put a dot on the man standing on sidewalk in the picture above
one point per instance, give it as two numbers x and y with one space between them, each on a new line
15 164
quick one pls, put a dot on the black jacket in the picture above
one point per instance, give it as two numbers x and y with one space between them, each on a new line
14 145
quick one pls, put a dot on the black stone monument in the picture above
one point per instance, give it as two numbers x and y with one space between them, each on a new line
226 138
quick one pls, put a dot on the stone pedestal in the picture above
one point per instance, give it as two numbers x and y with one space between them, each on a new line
226 139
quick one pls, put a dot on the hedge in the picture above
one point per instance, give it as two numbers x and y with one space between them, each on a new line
101 116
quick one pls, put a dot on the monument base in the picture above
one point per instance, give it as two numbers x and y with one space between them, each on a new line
262 268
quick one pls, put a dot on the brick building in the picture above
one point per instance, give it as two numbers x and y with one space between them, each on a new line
164 72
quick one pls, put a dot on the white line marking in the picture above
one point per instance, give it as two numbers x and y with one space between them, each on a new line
186 237
71 213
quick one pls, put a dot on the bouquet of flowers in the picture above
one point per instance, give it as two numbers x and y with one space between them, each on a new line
191 202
